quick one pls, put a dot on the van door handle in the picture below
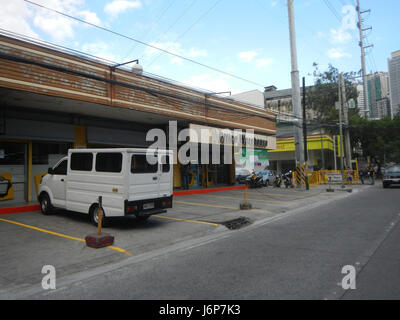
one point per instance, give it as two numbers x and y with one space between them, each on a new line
62 180
154 178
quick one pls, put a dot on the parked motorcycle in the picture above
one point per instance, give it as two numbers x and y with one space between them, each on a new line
287 179
278 181
254 181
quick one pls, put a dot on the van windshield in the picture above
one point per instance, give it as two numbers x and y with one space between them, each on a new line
139 164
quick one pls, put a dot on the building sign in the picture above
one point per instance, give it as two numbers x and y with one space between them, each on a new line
212 135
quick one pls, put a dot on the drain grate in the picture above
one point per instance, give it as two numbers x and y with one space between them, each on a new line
237 223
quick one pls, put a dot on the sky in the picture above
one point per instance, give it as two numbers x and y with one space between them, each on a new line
247 39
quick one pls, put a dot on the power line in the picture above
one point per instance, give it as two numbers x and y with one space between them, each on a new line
153 26
191 26
146 44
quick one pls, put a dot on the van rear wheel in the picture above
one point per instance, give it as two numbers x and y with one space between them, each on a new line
94 216
45 204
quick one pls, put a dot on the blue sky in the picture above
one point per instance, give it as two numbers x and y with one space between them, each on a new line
249 39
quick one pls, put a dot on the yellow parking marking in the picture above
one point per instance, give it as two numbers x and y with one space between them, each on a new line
205 205
60 235
185 220
236 198
217 206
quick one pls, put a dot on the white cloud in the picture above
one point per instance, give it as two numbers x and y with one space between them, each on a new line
340 36
193 53
261 63
14 16
116 7
100 49
247 56
27 19
90 17
336 53
209 82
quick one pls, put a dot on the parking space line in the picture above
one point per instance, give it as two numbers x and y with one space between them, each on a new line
205 205
236 198
60 235
185 220
218 206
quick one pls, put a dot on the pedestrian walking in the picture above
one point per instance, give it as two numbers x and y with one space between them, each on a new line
349 175
371 175
185 176
361 174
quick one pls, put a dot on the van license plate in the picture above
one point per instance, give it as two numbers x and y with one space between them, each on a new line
149 205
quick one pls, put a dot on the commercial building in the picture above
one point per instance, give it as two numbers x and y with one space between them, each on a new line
53 99
394 80
378 95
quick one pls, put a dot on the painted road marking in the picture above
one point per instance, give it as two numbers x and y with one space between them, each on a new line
60 235
218 206
185 220
236 198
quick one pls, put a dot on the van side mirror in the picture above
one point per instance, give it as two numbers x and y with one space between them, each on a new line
50 171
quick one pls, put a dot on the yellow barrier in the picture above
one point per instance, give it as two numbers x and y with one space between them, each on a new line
316 178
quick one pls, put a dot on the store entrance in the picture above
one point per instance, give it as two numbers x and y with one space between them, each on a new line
13 171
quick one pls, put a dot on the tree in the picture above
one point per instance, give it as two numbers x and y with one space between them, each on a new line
321 98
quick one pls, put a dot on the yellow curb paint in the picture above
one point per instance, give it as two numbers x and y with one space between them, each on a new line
184 220
60 235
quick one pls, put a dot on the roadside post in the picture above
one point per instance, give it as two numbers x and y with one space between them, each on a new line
99 239
245 205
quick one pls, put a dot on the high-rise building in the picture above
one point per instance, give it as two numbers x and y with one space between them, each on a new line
378 95
394 80
360 101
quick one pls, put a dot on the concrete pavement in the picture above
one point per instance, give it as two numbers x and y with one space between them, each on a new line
194 220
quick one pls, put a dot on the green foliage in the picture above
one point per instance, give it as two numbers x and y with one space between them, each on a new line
377 138
325 92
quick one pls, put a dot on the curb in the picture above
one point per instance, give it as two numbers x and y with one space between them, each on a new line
36 207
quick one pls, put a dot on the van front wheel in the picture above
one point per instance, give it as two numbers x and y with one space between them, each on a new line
45 204
94 216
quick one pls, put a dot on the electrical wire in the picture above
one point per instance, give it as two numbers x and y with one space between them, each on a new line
190 27
154 24
146 44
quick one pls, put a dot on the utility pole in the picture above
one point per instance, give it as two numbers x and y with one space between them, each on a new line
346 122
305 135
298 134
340 128
361 44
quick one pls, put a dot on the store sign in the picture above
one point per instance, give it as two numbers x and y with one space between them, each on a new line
212 135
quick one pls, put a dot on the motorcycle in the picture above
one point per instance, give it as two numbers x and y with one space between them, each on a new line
254 181
278 181
287 180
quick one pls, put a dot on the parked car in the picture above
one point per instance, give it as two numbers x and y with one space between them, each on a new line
126 181
241 175
268 177
391 176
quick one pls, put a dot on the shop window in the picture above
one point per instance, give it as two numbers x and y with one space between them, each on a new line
12 153
139 164
165 163
41 151
81 161
109 162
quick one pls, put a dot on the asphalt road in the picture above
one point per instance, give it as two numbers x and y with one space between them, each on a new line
299 255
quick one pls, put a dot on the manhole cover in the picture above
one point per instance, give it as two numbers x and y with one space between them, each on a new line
237 223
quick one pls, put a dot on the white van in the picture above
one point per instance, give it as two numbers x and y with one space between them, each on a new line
127 182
